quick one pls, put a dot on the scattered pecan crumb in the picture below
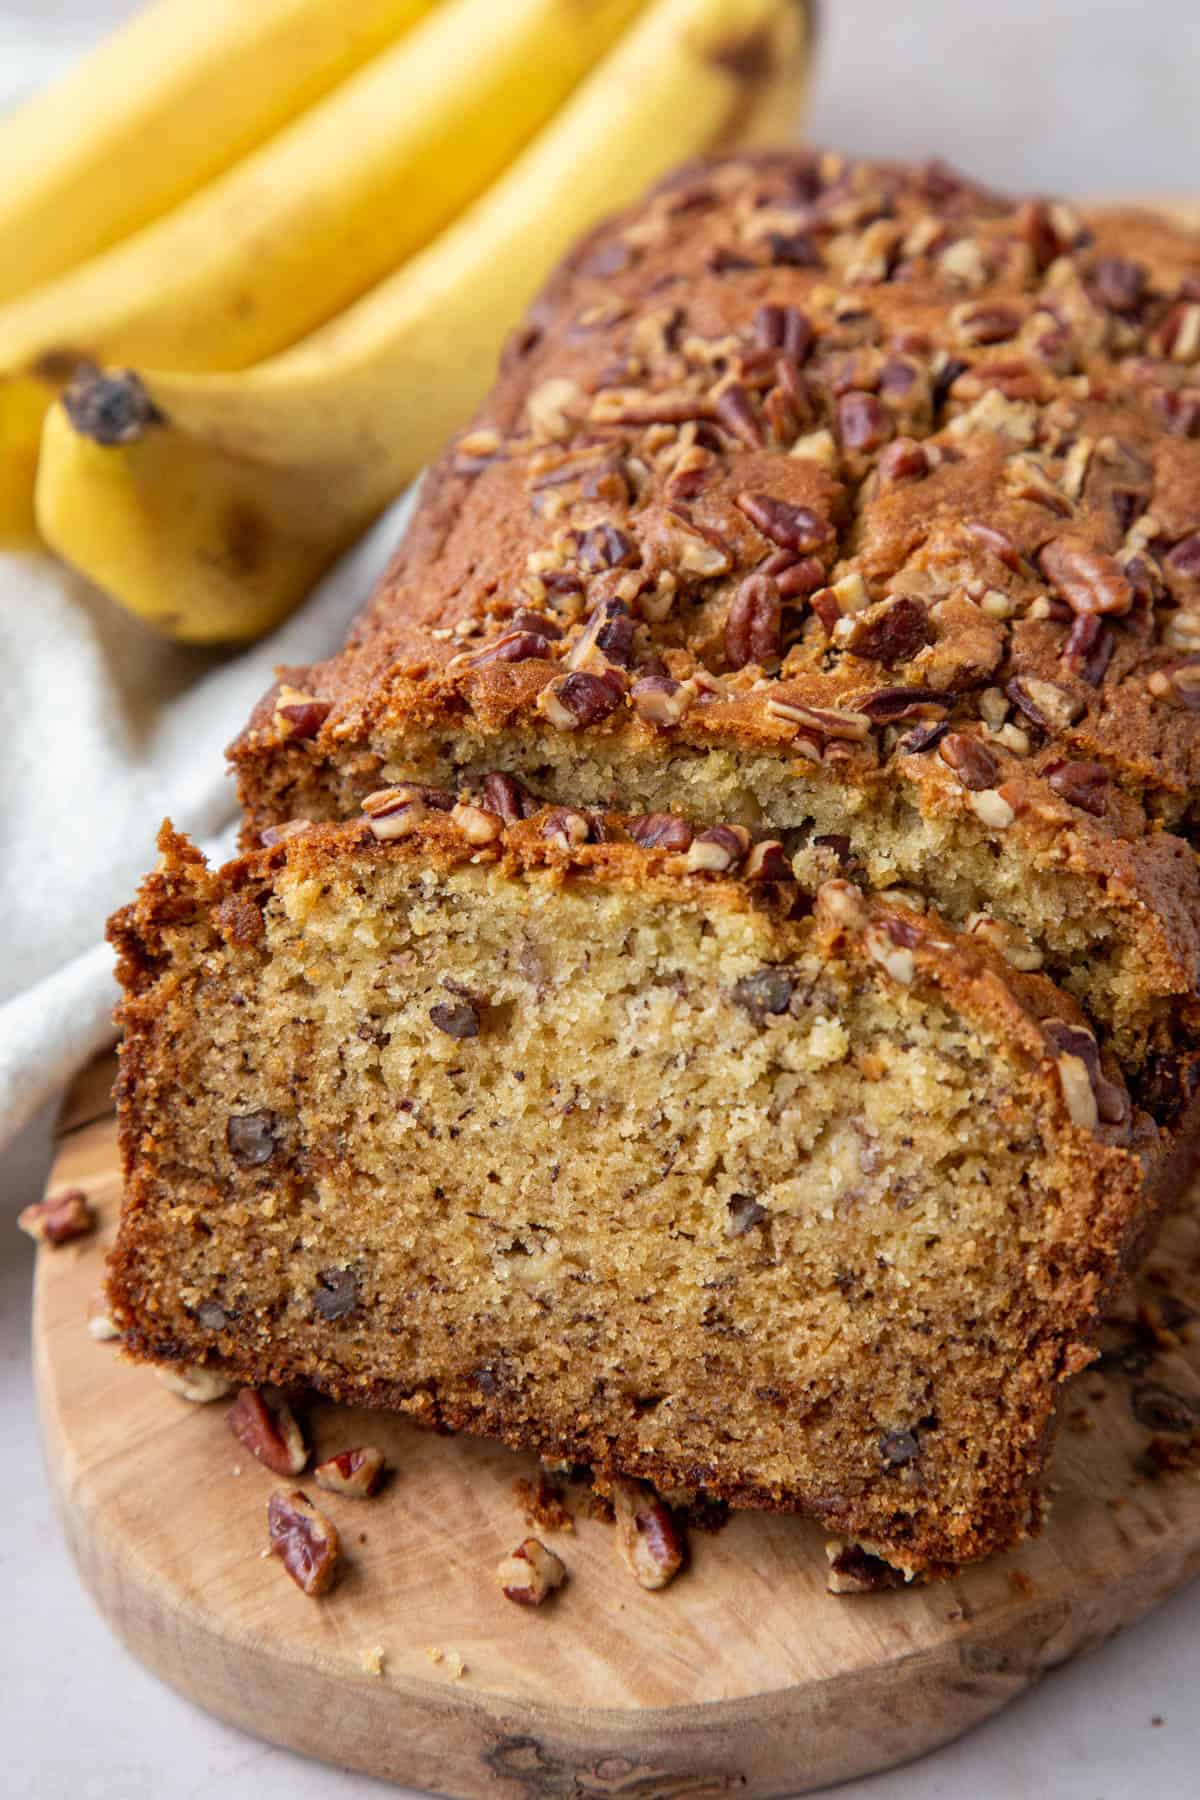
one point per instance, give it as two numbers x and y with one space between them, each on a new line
200 1386
530 1573
648 1535
355 1473
59 1218
268 1431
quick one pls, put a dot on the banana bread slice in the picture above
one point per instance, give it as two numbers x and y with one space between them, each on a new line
614 1142
843 500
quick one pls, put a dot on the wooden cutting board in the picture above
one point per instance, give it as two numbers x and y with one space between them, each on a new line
744 1677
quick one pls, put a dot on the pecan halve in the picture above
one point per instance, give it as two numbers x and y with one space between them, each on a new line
734 411
864 422
1088 648
754 624
270 1433
648 1535
508 797
784 328
1089 580
305 1540
791 527
530 1573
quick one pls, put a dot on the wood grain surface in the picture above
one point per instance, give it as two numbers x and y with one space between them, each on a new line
745 1676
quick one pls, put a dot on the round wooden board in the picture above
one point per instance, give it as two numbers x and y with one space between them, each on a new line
746 1675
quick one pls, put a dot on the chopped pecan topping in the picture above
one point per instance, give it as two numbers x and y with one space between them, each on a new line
1050 707
580 699
305 1540
356 1473
993 808
828 721
660 831
456 1018
718 849
508 797
606 640
659 700
299 715
734 410
889 705
1089 580
1183 558
791 527
753 626
784 328
768 861
531 1573
864 422
1088 648
902 460
997 541
59 1218
395 812
987 324
648 1536
889 633
1117 283
512 647
606 547
1083 784
269 1432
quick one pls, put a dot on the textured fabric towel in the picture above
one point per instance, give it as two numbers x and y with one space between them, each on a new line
109 730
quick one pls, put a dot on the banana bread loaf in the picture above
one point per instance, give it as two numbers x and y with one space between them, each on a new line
843 501
611 1140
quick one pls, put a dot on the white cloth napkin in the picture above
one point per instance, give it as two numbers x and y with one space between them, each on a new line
106 730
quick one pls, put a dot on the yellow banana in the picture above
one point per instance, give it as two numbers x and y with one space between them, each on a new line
212 522
308 221
178 94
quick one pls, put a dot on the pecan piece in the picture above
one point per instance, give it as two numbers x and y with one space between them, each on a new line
299 715
734 411
477 824
1118 284
791 527
606 547
768 861
1088 648
1089 580
987 323
579 699
305 1540
743 1214
648 1536
889 705
607 639
783 328
336 1294
754 624
250 1138
511 647
864 422
508 797
889 633
1088 1093
58 1218
1083 784
1049 706
718 849
997 541
765 994
902 460
1183 558
356 1473
196 1384
531 1573
828 721
659 700
456 1018
853 1570
565 827
395 812
660 831
270 1433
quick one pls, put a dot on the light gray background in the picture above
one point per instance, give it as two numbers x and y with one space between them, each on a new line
1095 98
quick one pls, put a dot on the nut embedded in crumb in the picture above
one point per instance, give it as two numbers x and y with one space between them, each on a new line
356 1473
648 1536
853 1570
199 1385
58 1218
531 1573
304 1538
269 1432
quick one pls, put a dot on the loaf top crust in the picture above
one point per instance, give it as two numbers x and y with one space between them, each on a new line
861 456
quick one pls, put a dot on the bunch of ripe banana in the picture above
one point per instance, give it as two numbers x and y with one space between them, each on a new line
274 250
